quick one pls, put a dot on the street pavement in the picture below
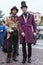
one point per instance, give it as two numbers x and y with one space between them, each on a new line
37 56
39 44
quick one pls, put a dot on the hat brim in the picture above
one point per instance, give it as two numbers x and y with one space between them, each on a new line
14 8
23 6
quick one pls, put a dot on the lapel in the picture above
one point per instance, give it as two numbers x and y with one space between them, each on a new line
26 18
22 18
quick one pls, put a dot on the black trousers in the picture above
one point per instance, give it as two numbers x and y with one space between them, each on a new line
13 40
24 49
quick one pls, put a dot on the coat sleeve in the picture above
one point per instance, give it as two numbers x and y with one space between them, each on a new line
4 31
20 26
7 24
34 24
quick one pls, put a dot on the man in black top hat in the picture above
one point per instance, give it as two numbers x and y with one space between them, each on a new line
26 21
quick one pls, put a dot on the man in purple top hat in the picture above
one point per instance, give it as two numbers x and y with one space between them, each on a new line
26 21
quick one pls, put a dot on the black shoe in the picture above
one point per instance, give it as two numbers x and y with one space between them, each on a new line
24 60
5 51
8 60
29 60
15 60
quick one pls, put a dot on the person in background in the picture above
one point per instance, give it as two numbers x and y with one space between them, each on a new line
2 35
26 21
5 43
12 34
5 39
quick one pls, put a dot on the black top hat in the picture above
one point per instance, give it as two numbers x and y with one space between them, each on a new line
23 4
14 8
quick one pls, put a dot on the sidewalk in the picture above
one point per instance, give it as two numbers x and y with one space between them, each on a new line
37 58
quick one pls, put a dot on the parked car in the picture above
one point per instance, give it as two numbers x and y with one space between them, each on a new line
39 32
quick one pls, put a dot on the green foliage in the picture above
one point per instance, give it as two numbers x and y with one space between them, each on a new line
1 16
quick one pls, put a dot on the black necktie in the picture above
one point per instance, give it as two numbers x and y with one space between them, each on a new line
25 14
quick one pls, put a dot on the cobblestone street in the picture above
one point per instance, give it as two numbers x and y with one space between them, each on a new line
37 58
37 55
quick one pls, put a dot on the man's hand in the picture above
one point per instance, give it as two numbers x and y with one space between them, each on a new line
1 30
34 33
23 34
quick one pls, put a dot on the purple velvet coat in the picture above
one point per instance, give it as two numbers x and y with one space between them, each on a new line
27 28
